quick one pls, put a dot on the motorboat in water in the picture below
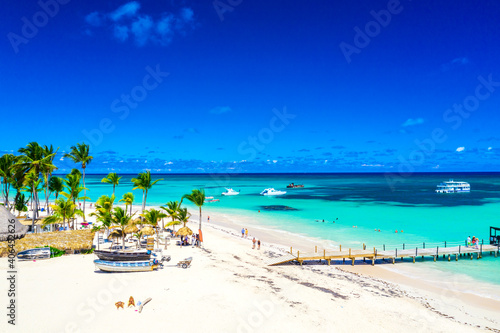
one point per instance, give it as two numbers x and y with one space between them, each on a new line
272 192
293 185
453 187
230 191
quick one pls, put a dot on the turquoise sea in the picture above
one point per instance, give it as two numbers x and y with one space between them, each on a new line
359 204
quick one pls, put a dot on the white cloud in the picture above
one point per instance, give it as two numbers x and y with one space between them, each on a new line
120 32
460 149
413 122
141 29
127 21
127 10
220 109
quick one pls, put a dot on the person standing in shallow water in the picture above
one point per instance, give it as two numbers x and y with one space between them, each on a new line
258 244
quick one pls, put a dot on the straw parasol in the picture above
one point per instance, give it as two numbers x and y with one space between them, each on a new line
117 233
10 226
131 228
148 231
185 231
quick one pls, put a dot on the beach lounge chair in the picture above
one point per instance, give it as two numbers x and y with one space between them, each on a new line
185 263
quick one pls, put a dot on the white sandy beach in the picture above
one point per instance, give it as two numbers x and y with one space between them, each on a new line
229 288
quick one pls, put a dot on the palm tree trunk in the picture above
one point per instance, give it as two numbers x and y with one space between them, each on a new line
144 195
200 219
113 189
84 193
33 204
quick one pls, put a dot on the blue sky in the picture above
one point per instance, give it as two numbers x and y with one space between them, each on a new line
255 86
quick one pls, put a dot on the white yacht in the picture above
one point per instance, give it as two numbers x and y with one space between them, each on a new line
453 187
272 191
230 191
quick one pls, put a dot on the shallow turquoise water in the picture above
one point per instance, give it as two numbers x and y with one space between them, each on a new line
365 201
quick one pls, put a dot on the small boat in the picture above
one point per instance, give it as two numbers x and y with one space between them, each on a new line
272 192
211 199
35 254
125 266
123 256
453 187
230 191
292 185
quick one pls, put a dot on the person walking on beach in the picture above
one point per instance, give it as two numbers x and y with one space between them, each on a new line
246 233
242 232
253 247
193 240
258 244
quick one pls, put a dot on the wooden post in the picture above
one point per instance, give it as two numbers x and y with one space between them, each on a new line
424 245
481 250
384 247
471 256
349 252
340 247
413 259
456 257
403 246
444 243
291 250
449 257
316 249
434 258
373 261
298 255
328 262
393 260
324 253
459 249
353 261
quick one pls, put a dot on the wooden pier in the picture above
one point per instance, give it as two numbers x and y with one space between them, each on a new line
447 253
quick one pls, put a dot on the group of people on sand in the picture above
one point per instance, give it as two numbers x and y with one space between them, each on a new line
473 243
258 243
244 233
195 240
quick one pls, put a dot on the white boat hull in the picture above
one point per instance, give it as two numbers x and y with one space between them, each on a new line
124 266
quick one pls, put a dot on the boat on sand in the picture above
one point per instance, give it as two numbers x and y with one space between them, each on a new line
126 266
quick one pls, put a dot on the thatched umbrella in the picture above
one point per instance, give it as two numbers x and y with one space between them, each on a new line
131 228
117 233
10 227
185 231
148 231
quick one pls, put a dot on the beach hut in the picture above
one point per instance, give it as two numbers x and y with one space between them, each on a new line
10 225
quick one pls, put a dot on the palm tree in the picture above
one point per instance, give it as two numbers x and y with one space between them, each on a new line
80 154
152 217
111 178
34 160
197 197
183 216
172 209
20 204
128 198
121 219
143 182
56 185
6 172
63 210
47 171
73 187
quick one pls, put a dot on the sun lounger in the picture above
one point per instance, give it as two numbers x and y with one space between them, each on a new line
185 263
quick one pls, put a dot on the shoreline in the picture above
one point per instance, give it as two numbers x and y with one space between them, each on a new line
235 291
